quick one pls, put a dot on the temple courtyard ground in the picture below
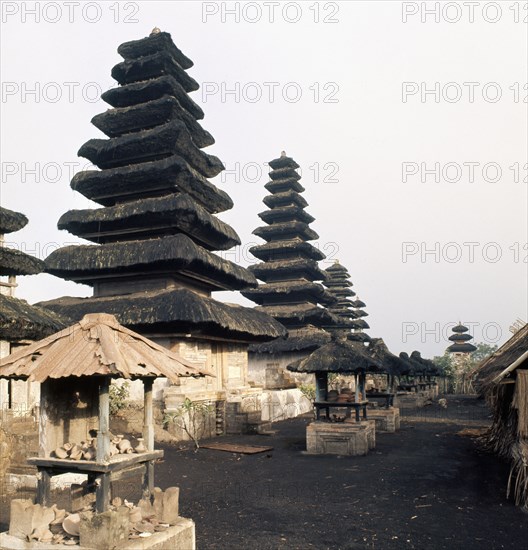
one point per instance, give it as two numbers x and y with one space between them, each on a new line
428 486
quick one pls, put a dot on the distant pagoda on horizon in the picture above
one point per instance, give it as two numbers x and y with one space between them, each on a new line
289 265
460 338
348 311
152 263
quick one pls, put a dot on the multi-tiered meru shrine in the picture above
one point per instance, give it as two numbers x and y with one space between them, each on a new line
152 263
289 269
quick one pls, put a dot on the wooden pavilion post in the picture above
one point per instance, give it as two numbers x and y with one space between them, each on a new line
148 434
102 494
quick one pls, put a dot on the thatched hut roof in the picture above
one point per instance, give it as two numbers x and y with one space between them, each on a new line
305 339
15 262
429 367
147 179
392 364
11 221
151 217
413 367
96 345
339 356
22 321
176 311
89 263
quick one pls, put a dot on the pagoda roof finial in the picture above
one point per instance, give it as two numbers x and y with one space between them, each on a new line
155 30
283 153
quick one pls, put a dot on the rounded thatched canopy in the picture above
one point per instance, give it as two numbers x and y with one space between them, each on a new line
340 356
392 364
11 221
96 345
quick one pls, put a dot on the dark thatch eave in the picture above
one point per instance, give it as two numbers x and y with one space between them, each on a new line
460 328
284 173
148 90
299 314
286 214
15 262
176 311
287 184
11 221
307 339
392 364
358 337
339 356
22 321
460 337
429 367
283 162
175 253
287 231
149 179
287 269
501 359
288 248
119 121
152 217
284 199
156 143
153 65
413 367
461 348
157 42
289 291
358 303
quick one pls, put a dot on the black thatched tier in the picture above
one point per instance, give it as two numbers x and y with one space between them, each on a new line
286 231
294 248
299 314
108 187
152 66
141 92
460 328
358 337
150 145
119 121
156 42
11 221
284 173
392 364
289 291
281 270
175 311
343 293
357 303
178 253
284 199
15 262
460 337
21 321
286 214
148 218
338 285
282 185
283 162
461 348
307 339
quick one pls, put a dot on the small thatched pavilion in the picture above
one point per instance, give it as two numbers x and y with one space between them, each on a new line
503 380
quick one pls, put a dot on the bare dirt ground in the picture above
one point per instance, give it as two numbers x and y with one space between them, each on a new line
425 487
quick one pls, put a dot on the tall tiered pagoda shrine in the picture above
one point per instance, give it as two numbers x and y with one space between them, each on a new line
289 269
20 322
152 262
351 322
460 348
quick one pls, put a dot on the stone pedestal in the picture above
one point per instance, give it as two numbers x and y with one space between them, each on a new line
341 438
387 420
412 400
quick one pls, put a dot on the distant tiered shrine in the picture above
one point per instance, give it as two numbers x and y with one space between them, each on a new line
289 269
460 348
152 263
20 322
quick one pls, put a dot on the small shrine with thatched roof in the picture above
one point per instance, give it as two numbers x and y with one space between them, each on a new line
289 269
20 322
152 262
75 367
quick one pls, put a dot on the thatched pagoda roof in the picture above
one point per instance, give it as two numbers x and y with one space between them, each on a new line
288 172
460 328
95 346
122 120
286 214
284 199
283 161
304 313
286 230
154 43
339 356
22 321
284 249
149 179
286 184
89 263
461 348
460 337
179 310
292 291
358 337
11 221
15 262
288 270
305 339
151 217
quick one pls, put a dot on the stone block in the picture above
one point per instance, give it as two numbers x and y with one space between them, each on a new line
341 438
170 512
104 531
387 420
27 517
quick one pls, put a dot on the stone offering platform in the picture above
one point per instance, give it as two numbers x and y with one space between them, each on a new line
180 536
387 420
341 438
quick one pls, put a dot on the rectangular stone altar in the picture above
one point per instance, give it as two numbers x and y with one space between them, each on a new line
387 420
341 438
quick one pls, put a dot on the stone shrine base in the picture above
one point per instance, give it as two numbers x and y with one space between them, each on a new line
387 420
180 536
347 438
412 400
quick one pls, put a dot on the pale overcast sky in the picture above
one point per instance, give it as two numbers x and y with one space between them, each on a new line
370 98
